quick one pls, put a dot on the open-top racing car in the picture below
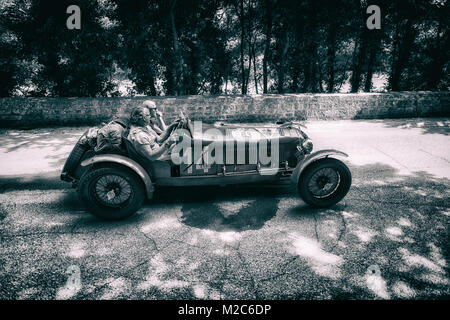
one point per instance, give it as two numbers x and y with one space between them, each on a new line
113 184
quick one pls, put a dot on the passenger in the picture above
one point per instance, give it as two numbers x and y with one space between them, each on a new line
144 139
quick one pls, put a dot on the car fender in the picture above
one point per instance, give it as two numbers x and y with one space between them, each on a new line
127 162
310 158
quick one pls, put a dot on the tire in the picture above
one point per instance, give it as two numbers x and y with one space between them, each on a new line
121 184
74 158
324 182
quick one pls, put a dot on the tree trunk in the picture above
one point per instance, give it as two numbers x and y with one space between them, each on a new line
358 61
295 76
311 68
254 68
177 53
331 55
152 88
268 31
439 56
405 41
226 83
170 85
247 71
296 71
241 18
319 73
281 68
374 46
311 60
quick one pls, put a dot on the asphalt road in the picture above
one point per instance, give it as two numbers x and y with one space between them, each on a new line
388 239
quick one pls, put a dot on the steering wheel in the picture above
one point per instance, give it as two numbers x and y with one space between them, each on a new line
185 123
190 127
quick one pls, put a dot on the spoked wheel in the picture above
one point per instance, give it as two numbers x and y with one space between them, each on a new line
325 182
111 193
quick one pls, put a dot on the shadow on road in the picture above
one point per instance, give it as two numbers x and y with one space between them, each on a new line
230 208
427 125
401 224
398 223
54 138
47 181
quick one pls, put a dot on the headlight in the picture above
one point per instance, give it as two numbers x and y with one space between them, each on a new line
306 147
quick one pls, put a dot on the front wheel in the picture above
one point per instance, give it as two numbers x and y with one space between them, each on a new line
324 182
111 193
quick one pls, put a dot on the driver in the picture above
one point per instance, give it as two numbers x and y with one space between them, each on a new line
156 120
144 139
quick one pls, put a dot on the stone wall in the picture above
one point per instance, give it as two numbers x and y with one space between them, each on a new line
36 112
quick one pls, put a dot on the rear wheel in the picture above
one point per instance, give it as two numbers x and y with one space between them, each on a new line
111 193
324 182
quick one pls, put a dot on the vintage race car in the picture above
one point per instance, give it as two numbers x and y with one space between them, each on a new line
113 185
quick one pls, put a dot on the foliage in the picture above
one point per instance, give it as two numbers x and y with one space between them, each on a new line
188 47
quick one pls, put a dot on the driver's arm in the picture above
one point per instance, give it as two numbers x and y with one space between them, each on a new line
157 129
161 122
166 133
152 154
146 144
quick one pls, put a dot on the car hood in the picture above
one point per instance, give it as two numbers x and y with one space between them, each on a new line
247 132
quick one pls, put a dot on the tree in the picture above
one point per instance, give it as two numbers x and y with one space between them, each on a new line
214 46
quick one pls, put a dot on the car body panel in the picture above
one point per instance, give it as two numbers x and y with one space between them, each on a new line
125 161
247 137
213 180
310 158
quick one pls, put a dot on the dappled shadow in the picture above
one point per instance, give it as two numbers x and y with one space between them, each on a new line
305 210
48 149
57 161
426 125
387 239
230 216
15 140
3 211
71 202
46 181
381 183
232 208
390 233
398 223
